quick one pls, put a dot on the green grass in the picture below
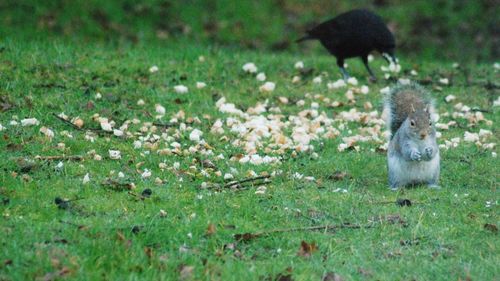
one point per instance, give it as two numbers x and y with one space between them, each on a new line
446 29
444 237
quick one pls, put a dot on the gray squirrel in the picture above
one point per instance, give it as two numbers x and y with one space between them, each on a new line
413 153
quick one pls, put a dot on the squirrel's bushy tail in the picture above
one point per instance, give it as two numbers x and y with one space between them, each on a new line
401 100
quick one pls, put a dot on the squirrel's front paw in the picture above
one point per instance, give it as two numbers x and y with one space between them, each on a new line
415 155
428 151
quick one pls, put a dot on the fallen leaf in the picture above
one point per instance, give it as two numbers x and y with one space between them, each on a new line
211 229
149 252
409 242
238 254
90 105
245 236
331 276
284 277
491 227
395 219
230 246
117 185
306 249
444 250
393 254
5 104
338 176
14 147
26 166
365 272
58 240
55 275
208 164
185 272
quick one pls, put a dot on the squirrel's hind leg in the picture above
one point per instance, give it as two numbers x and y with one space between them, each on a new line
433 186
433 183
394 185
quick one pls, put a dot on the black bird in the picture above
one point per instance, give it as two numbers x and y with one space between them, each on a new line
354 34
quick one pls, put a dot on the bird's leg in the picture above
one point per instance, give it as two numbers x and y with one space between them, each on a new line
390 58
394 59
386 57
344 73
365 62
340 63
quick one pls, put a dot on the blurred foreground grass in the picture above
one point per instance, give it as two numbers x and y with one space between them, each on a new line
458 30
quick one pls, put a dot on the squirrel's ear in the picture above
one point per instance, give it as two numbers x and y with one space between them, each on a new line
412 108
426 109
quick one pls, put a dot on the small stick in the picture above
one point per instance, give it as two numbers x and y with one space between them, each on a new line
383 202
99 131
79 226
481 110
480 83
60 157
117 186
244 186
67 122
400 202
164 125
248 236
233 183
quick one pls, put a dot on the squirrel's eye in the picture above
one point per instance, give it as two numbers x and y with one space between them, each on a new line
430 123
412 123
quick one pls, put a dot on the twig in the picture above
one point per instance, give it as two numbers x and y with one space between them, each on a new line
400 202
481 110
489 85
98 131
392 219
383 202
117 186
238 183
164 125
60 157
79 226
245 186
249 236
67 122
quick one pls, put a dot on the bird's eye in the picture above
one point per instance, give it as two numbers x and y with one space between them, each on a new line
412 123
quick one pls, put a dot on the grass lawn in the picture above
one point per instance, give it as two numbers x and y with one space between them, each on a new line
113 230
